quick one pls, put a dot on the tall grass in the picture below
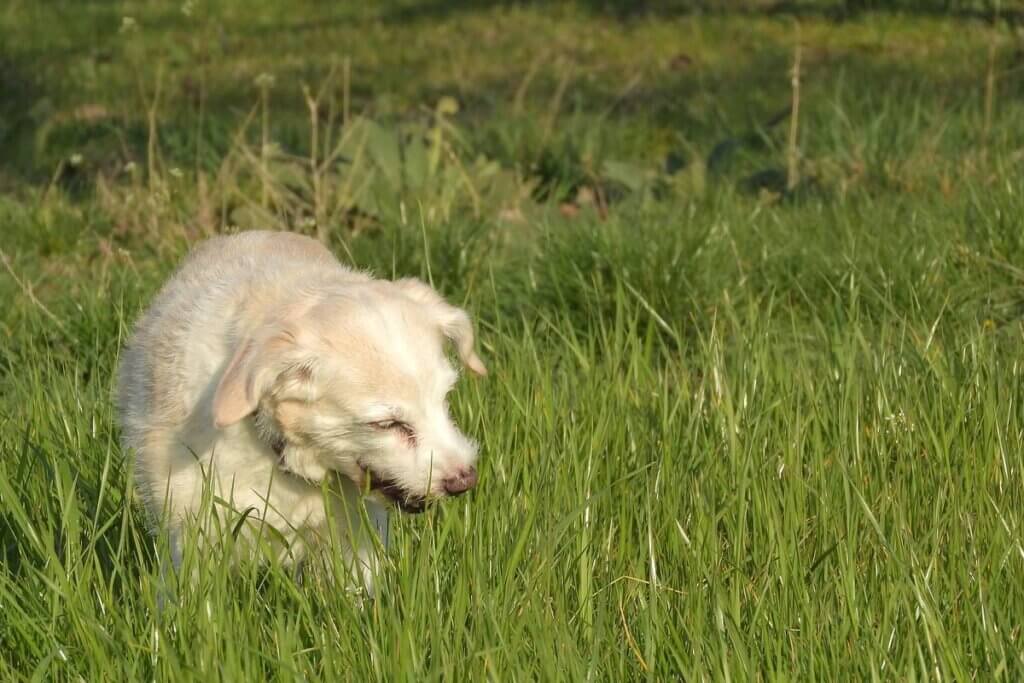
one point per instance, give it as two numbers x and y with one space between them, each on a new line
813 472
727 435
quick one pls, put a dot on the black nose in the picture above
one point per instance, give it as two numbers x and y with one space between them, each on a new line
461 482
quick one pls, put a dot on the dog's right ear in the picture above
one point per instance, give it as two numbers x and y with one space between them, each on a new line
249 375
237 393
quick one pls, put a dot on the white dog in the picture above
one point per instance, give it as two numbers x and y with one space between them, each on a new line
293 393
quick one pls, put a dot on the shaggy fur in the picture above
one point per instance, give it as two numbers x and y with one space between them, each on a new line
265 372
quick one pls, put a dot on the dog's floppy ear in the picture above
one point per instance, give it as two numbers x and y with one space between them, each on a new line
249 375
454 322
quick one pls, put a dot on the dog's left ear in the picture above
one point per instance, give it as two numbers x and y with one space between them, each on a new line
454 322
261 364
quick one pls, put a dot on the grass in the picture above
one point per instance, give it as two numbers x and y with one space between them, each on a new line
731 431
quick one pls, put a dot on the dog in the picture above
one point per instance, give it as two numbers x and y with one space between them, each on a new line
268 385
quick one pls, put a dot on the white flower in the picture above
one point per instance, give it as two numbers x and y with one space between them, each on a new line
264 80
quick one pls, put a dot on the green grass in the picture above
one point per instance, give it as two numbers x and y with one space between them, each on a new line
730 432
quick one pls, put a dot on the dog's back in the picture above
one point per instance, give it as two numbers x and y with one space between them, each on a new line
186 335
265 371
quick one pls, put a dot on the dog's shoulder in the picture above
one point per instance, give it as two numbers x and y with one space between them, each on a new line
262 244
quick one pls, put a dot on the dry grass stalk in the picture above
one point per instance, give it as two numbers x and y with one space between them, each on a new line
990 91
792 153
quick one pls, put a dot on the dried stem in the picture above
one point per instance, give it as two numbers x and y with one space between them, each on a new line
792 153
990 91
152 144
346 84
314 168
524 85
27 289
265 144
556 102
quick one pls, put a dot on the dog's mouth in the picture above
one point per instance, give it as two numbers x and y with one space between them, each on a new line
401 498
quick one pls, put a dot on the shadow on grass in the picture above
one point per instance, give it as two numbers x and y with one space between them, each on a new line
630 9
724 107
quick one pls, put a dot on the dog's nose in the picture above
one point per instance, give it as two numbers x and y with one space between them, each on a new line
461 482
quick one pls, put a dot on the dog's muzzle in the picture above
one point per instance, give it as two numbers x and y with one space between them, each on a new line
462 481
402 499
454 485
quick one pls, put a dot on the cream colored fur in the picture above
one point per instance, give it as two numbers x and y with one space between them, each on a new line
268 373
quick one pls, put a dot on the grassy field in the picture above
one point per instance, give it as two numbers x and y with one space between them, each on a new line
755 405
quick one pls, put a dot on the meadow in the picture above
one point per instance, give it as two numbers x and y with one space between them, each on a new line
749 278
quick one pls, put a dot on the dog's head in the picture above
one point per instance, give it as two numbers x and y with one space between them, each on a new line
355 381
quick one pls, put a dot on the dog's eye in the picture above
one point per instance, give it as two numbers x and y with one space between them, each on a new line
403 428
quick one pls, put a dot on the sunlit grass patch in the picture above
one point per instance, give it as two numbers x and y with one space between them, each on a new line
729 432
